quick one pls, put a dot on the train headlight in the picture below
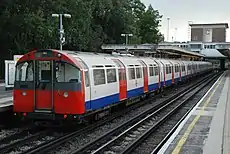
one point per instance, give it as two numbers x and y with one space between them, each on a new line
59 55
65 94
23 93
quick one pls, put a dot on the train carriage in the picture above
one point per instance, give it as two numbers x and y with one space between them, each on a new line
153 69
52 84
103 75
183 71
168 72
135 77
176 71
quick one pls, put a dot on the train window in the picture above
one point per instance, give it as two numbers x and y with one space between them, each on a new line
177 68
138 71
189 67
156 71
99 76
183 68
151 72
44 71
24 71
111 75
67 73
87 78
170 69
131 73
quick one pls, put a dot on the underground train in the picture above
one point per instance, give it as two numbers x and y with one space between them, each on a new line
60 85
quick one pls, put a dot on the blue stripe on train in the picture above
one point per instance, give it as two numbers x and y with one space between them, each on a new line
153 87
135 92
102 102
108 100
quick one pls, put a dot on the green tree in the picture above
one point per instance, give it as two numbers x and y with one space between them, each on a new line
149 24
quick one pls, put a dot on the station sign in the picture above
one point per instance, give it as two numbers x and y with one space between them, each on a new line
10 71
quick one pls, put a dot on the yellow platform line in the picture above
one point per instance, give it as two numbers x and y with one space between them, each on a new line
192 125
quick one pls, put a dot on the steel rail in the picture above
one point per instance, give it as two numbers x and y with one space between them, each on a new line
44 147
132 122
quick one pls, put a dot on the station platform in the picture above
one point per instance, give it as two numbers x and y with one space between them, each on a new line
206 129
6 99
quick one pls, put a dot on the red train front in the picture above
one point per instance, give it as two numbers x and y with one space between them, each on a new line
48 85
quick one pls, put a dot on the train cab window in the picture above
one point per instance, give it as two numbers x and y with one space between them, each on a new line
111 75
131 73
24 71
138 72
99 76
67 73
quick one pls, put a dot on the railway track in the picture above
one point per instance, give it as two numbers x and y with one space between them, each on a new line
55 142
20 139
126 138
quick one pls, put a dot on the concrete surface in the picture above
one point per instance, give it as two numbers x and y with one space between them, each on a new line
207 128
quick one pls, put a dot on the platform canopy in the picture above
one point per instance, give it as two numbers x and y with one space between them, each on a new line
212 53
178 50
151 48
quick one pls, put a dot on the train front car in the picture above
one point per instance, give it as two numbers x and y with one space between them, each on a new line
48 86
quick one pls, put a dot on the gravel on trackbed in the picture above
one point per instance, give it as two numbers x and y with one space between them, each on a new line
9 132
83 139
157 136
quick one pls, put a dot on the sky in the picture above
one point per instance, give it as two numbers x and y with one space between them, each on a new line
181 12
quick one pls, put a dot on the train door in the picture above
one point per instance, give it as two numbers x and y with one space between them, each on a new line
87 83
145 72
87 90
173 71
139 81
44 75
180 70
162 74
122 79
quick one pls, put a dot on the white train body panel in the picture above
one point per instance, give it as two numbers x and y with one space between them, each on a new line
103 79
100 68
167 66
162 72
134 76
153 74
175 70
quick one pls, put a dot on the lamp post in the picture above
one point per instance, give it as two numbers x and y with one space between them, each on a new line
61 30
126 37
168 29
175 34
